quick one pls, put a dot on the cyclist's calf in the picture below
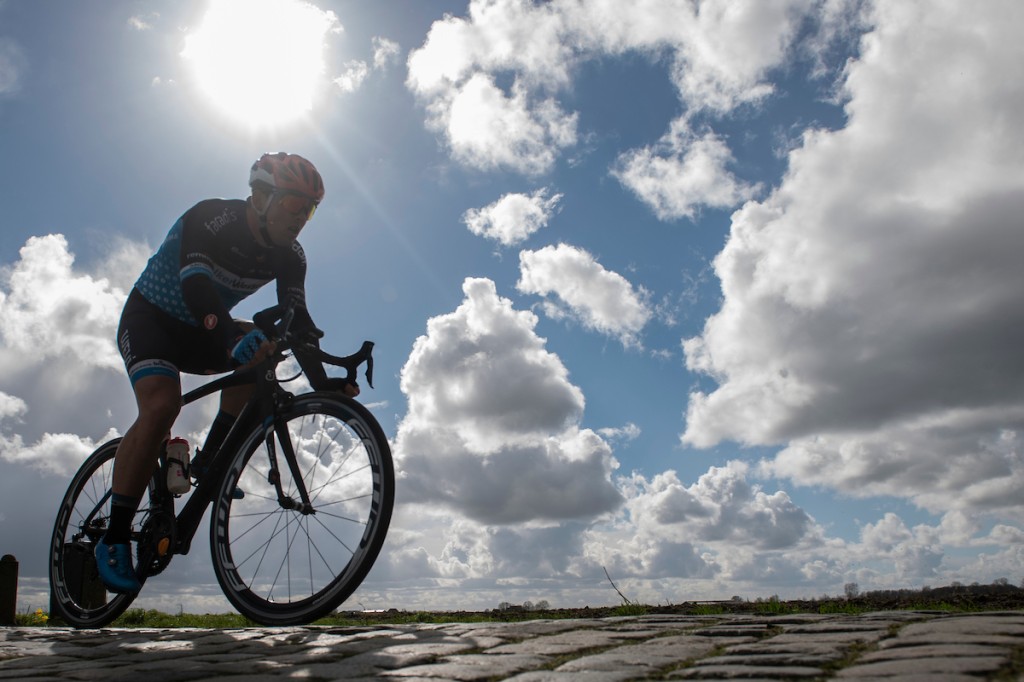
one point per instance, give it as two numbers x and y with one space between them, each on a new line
159 402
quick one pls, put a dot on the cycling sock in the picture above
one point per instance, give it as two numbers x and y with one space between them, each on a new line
122 511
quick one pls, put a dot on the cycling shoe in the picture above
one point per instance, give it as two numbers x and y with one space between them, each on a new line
114 563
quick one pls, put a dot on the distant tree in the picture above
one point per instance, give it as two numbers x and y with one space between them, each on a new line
851 590
542 605
504 606
528 606
1001 582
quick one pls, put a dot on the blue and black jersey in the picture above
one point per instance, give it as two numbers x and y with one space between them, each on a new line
210 261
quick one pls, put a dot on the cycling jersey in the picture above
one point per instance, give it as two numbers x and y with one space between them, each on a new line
208 263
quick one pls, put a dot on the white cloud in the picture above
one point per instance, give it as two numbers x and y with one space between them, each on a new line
352 77
493 423
726 49
513 217
871 314
716 529
682 173
385 52
11 406
721 54
628 432
49 310
488 129
55 453
356 71
585 291
57 353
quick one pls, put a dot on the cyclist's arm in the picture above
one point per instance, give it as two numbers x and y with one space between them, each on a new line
197 286
291 292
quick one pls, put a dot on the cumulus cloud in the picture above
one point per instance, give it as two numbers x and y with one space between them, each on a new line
713 529
54 453
50 310
488 128
355 71
512 218
492 428
584 291
385 52
871 315
628 432
721 53
682 173
57 352
353 75
667 538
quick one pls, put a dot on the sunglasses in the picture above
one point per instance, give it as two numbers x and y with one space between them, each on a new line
297 204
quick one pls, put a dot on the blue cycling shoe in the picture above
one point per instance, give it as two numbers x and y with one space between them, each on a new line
114 563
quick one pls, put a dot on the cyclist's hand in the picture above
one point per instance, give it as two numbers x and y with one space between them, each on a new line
252 348
351 389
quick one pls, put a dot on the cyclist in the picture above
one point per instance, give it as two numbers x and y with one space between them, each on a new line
177 319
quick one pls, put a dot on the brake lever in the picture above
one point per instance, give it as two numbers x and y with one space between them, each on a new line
352 362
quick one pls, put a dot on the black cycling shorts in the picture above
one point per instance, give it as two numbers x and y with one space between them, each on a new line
153 343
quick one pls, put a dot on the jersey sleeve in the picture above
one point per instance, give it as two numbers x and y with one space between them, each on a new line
291 287
197 286
291 290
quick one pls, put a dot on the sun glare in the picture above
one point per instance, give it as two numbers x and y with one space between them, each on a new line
260 62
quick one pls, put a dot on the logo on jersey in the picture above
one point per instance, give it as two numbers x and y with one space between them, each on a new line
217 222
210 321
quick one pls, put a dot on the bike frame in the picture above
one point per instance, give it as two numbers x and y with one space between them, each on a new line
261 406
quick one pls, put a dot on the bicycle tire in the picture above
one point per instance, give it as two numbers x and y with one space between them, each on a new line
77 595
276 565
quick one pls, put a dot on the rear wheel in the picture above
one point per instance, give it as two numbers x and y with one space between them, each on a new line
277 562
78 596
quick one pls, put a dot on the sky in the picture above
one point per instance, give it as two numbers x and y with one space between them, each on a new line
711 297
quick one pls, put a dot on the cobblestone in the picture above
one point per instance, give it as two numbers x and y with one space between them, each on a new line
913 645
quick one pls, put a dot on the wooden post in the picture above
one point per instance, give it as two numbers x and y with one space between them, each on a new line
8 589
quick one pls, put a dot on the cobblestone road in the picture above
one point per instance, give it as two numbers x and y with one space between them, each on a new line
905 645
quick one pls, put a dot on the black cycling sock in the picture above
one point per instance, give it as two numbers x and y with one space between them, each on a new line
122 511
222 424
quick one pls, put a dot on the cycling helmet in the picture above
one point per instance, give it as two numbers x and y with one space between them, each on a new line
287 173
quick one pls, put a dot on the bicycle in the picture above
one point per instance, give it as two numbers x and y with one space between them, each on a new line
290 543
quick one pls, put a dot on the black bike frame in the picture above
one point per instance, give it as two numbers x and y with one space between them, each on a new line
262 404
261 408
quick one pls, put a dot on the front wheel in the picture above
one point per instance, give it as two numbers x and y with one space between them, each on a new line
280 562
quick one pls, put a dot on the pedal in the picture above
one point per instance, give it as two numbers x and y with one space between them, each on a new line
163 546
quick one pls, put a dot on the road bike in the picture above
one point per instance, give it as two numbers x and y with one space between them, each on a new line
302 491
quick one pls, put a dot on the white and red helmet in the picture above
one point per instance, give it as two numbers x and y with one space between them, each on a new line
289 173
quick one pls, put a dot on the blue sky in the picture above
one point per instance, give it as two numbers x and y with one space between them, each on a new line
720 296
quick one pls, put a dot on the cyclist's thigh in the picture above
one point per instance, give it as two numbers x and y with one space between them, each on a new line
153 343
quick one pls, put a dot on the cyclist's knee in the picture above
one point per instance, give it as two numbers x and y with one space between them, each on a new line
159 400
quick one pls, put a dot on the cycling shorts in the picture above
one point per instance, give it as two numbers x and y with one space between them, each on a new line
153 343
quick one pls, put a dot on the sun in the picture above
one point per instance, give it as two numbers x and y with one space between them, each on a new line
260 62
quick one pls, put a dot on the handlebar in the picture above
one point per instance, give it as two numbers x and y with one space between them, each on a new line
276 322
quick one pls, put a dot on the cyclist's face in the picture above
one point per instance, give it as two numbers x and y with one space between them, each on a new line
286 216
